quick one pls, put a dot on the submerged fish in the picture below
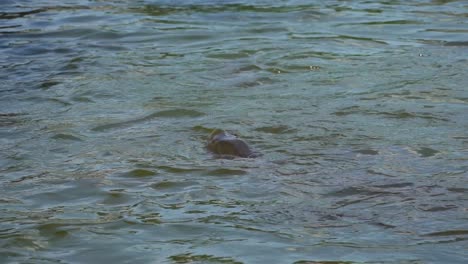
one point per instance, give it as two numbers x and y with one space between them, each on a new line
224 143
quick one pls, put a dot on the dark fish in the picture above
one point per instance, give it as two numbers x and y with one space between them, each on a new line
223 143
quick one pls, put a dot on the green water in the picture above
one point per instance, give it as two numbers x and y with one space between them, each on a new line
359 109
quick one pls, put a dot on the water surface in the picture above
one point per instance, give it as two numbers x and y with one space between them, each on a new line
359 109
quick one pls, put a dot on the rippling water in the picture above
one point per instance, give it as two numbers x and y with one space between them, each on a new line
358 107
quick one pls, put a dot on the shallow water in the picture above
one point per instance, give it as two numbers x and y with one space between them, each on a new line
358 108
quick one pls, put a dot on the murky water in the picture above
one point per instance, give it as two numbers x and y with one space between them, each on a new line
359 109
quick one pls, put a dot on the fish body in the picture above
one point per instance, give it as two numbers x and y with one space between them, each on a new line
224 143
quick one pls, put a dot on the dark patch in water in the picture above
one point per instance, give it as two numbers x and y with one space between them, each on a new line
139 173
13 15
175 113
349 191
164 10
8 119
178 113
456 43
426 152
54 230
406 115
322 262
191 258
171 185
395 185
393 22
430 208
458 190
461 232
226 172
66 137
367 151
281 129
48 84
